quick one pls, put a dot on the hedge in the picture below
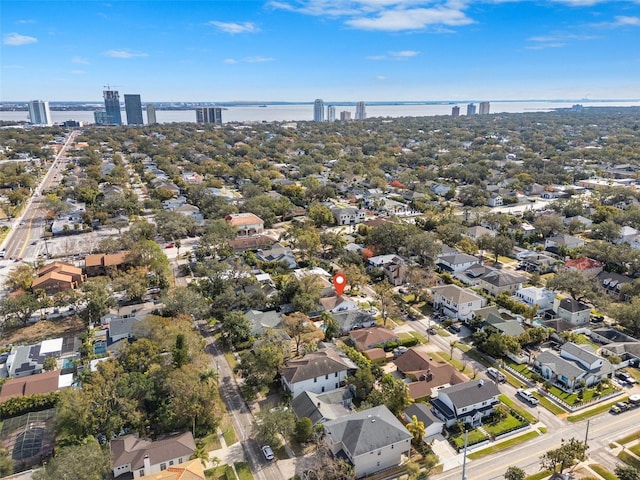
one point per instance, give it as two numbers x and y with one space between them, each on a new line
32 403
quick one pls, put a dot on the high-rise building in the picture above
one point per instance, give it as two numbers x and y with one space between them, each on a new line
471 109
39 113
112 107
318 110
361 111
133 107
101 118
209 115
331 113
151 114
455 111
484 108
345 115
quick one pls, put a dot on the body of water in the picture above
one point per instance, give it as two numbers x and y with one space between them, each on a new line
297 112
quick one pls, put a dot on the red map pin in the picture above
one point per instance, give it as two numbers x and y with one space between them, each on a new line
339 282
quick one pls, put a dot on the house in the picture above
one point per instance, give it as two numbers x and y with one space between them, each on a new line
500 281
627 235
394 267
467 402
102 264
368 338
440 189
242 244
576 365
352 319
587 266
40 383
563 240
131 454
495 200
25 360
538 262
456 262
471 276
578 219
474 233
57 277
247 224
278 253
261 321
425 374
348 216
317 372
432 424
334 304
371 440
574 312
506 326
536 296
455 302
323 407
613 282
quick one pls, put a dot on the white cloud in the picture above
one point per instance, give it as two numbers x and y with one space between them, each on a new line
556 40
80 60
230 60
410 19
124 54
78 72
381 78
543 46
404 54
26 21
258 59
234 27
624 21
15 39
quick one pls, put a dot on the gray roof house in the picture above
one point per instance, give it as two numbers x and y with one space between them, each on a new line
351 319
323 407
468 402
372 440
432 424
261 321
575 364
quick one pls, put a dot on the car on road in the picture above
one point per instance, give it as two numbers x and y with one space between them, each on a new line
496 374
528 396
268 453
432 331
623 406
615 410
3 252
170 245
634 401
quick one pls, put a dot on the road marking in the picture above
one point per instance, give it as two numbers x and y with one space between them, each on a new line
27 238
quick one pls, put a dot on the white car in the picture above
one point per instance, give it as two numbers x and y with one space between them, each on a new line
528 396
268 453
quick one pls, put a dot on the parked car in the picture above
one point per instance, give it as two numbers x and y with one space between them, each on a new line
626 377
496 374
624 406
615 410
268 453
454 328
528 396
634 400
171 245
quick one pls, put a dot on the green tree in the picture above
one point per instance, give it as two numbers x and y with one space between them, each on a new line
236 328
97 297
186 301
49 364
627 472
304 430
395 394
20 278
275 423
576 284
320 215
86 461
628 314
501 245
180 352
567 454
384 300
515 473
133 283
416 428
6 464
363 381
296 326
20 307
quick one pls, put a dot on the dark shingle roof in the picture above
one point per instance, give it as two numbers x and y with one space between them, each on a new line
314 365
471 392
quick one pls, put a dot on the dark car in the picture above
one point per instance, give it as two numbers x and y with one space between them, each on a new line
455 328
432 331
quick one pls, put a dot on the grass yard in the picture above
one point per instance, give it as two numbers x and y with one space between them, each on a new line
514 406
475 355
503 446
243 471
218 473
442 332
421 338
635 449
573 399
629 459
503 426
521 369
549 405
634 372
463 347
540 475
595 411
603 472
475 436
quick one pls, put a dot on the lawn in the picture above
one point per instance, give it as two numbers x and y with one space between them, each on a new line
595 411
540 475
629 459
243 471
603 472
442 332
635 449
463 347
629 438
421 338
475 355
503 426
475 436
498 447
549 405
572 398
523 369
514 406
634 372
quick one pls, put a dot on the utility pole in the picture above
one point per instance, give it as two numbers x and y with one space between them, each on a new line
464 458
586 435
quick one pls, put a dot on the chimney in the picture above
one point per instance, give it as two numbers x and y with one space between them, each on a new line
147 465
318 405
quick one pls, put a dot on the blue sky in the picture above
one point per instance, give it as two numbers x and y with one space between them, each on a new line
299 50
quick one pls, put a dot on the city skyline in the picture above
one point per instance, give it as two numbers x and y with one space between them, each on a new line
271 50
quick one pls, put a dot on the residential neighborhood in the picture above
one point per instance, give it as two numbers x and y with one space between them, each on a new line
170 309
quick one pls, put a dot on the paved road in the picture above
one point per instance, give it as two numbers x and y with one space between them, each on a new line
603 429
24 241
240 413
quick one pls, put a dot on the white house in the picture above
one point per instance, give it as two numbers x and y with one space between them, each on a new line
372 440
563 240
348 216
455 302
316 372
495 200
536 296
574 312
575 364
468 402
130 454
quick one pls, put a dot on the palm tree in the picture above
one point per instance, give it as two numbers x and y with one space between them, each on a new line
202 454
452 345
416 428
